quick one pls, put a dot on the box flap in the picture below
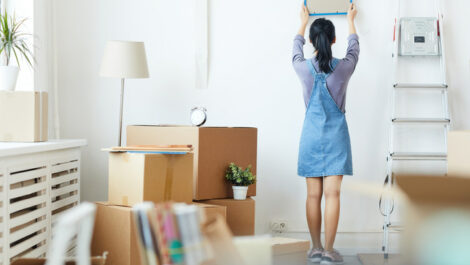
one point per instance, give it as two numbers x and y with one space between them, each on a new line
433 189
109 204
283 245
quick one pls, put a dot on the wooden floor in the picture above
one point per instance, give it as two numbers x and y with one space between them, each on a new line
348 260
378 259
370 259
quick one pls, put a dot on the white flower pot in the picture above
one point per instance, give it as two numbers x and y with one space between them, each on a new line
8 77
239 192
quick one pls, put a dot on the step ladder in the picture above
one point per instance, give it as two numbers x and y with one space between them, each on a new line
393 156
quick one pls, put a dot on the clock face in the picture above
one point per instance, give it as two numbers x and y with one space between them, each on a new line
198 116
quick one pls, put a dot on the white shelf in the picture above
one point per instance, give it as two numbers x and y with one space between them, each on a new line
16 148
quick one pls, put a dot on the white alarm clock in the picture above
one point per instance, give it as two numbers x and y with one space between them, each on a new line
198 116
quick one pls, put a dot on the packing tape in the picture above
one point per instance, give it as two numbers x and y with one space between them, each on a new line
169 178
125 200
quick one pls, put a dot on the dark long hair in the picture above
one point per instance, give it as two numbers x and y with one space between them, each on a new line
322 35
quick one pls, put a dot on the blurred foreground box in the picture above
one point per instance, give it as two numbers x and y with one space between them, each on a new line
289 251
437 224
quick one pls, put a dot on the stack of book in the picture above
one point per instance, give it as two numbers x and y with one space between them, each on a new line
170 233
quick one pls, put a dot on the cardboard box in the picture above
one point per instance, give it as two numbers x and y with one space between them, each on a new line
214 149
458 157
255 250
211 211
135 178
240 215
114 232
23 116
437 217
289 251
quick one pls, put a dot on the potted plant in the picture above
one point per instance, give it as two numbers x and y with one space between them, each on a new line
240 179
13 45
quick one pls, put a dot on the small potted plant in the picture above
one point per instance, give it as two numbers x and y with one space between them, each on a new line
13 46
240 179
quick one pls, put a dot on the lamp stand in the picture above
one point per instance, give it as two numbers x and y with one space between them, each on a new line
120 113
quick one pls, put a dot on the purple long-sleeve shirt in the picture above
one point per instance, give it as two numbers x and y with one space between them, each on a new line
338 80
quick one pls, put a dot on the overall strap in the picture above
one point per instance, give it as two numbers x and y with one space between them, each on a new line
312 69
334 62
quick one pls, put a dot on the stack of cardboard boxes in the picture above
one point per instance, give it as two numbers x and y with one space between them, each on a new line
196 177
214 149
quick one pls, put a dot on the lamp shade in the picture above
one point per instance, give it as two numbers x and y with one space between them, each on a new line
124 59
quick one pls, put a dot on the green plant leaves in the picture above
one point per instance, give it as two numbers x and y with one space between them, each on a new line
13 40
239 176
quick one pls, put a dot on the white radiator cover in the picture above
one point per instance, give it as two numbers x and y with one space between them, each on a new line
38 181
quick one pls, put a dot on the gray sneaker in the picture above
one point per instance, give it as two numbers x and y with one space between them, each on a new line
315 254
331 257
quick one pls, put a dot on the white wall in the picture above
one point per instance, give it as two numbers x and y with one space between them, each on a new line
252 83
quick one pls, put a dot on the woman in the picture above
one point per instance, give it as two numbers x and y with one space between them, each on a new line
325 149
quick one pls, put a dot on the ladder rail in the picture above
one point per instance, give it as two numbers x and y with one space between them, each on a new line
440 19
392 155
387 200
445 96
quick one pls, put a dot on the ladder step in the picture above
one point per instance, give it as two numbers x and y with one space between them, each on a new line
421 120
418 156
419 85
396 227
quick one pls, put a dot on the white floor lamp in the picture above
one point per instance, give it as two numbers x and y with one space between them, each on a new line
124 59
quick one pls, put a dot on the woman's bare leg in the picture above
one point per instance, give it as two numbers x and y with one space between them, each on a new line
331 189
314 196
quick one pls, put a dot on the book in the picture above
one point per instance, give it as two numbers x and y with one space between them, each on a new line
146 238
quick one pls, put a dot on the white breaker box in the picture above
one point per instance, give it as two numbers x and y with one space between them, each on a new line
419 36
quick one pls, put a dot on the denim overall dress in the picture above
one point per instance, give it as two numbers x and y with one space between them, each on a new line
325 147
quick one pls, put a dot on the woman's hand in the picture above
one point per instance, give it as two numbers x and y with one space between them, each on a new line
352 12
304 16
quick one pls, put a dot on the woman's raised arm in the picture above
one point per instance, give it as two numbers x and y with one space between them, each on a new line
304 15
352 12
